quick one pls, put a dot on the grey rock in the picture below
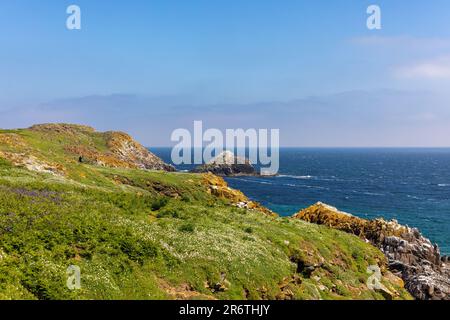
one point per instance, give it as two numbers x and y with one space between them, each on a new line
227 164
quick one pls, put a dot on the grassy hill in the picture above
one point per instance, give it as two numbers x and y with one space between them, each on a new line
146 234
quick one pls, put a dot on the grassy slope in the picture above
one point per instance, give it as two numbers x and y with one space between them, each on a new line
133 242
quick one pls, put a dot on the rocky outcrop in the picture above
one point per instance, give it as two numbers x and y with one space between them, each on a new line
123 147
16 151
218 187
109 149
32 163
227 164
410 255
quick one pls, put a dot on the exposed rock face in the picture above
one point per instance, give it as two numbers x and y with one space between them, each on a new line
128 150
32 163
218 187
227 164
410 255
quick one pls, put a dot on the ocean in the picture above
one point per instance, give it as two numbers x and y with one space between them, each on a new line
409 185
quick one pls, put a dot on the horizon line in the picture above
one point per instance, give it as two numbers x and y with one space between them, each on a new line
338 147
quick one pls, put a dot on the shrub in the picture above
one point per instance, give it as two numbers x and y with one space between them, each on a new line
187 227
159 203
4 163
138 250
186 198
168 213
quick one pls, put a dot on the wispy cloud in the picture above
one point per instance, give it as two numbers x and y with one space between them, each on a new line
404 42
411 58
438 68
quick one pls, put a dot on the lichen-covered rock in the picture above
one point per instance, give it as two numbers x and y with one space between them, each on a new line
410 255
122 146
32 163
218 187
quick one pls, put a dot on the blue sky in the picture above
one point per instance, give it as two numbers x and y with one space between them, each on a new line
148 67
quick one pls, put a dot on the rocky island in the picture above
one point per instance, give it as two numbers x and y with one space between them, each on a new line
72 196
227 164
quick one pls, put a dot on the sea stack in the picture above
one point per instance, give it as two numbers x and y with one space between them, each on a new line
227 164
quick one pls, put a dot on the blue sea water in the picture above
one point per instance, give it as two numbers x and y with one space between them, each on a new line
410 185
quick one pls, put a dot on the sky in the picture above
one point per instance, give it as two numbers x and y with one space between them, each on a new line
309 68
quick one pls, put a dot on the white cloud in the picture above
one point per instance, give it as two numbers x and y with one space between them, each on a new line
432 69
414 58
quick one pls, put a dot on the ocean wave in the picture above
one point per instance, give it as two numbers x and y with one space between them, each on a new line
295 177
444 185
374 194
253 181
316 187
304 186
290 185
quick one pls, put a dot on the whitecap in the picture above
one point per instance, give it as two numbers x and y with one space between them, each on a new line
290 185
295 177
252 181
374 194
